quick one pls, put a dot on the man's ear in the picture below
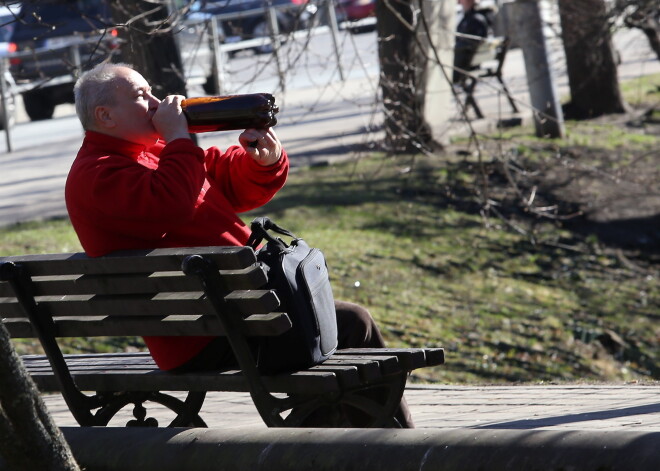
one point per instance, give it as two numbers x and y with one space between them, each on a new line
103 117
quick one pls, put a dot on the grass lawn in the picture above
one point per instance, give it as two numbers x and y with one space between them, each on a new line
510 294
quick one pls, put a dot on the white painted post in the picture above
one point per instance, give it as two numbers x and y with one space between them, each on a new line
527 27
3 99
334 31
218 74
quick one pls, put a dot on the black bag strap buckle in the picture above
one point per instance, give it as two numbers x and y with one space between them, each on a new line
260 227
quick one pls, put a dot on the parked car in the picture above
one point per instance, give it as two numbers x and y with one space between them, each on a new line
246 19
7 23
357 15
53 40
354 10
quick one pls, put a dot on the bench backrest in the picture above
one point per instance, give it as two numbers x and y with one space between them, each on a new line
136 293
490 49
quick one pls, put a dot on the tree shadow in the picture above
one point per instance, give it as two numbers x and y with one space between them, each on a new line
455 191
608 414
632 234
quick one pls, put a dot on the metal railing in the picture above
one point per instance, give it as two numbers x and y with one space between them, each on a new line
219 51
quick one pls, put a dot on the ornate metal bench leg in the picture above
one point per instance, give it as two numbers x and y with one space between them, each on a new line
301 413
373 405
187 411
376 404
190 415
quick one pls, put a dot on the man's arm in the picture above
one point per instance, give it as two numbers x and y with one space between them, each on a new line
249 176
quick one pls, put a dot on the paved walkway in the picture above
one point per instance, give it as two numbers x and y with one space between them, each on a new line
633 407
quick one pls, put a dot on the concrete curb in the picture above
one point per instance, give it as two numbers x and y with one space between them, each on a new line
129 449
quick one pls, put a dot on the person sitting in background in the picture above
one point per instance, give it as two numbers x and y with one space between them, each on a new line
473 26
139 182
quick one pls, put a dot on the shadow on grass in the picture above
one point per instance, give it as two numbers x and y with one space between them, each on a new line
441 185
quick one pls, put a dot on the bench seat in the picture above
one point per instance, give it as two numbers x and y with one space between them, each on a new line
165 292
103 372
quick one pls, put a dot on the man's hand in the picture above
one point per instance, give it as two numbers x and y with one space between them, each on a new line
262 145
169 120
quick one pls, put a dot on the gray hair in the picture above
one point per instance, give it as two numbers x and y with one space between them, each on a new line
95 88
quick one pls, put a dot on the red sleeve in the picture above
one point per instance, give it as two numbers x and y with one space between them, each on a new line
246 184
157 148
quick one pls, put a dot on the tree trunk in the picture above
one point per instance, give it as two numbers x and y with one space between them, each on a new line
29 439
149 44
650 25
590 63
403 77
652 31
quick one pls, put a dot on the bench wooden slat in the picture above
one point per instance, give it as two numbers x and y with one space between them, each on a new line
76 359
153 379
410 358
96 368
434 356
388 364
130 305
135 261
137 283
270 324
89 307
110 358
347 375
162 304
141 363
368 369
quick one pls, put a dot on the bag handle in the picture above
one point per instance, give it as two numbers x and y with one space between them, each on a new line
260 227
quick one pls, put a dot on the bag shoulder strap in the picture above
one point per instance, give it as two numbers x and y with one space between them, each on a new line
260 227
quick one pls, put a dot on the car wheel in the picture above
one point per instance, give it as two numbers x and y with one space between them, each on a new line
361 29
10 101
38 106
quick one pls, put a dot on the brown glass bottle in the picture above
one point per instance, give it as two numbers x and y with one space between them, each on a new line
231 112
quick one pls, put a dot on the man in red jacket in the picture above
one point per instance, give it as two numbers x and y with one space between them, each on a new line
139 182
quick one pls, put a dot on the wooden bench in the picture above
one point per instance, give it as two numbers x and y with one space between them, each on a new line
186 291
487 62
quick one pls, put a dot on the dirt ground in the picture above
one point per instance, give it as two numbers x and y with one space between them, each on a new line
620 198
611 193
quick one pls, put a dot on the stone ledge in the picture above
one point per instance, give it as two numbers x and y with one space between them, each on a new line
131 449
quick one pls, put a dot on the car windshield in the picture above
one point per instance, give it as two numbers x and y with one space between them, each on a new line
7 22
59 18
6 28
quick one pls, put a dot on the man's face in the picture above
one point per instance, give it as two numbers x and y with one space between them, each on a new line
130 115
466 4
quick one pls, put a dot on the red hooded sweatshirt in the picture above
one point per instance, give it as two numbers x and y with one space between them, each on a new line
121 196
